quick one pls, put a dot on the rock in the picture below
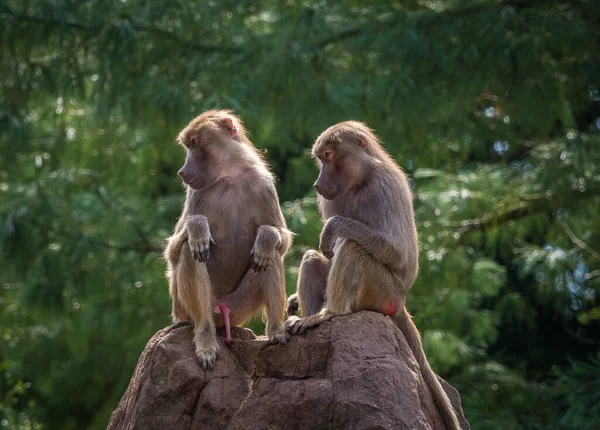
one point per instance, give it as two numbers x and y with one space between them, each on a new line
355 371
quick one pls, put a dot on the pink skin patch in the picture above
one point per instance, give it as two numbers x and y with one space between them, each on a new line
222 308
182 315
390 308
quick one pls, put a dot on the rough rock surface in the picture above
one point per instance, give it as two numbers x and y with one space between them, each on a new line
355 371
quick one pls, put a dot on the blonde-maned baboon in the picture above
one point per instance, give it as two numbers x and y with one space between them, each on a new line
225 258
369 250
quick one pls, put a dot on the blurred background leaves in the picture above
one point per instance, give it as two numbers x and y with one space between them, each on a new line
492 107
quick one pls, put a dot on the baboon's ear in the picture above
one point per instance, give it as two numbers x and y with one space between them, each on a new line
363 142
229 125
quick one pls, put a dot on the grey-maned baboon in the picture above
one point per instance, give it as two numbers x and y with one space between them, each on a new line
225 258
369 245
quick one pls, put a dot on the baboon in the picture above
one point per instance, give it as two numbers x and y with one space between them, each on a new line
369 249
225 258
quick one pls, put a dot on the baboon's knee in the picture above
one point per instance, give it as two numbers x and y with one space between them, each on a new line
314 266
311 256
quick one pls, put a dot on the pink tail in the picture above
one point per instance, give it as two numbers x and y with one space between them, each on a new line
223 309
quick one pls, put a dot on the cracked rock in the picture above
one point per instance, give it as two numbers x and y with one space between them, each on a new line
355 371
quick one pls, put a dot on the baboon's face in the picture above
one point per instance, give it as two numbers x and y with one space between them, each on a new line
207 153
343 167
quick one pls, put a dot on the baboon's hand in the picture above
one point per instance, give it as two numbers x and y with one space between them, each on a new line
207 347
295 325
279 336
292 305
208 357
201 248
260 258
328 237
199 237
264 252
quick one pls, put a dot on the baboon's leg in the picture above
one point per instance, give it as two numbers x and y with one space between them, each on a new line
312 282
273 288
195 296
172 254
346 277
178 314
256 289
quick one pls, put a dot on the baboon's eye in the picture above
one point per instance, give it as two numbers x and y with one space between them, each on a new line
327 155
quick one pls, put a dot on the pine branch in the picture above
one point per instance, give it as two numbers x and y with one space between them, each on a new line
492 219
185 43
344 34
137 247
43 19
536 204
136 25
428 13
580 243
592 274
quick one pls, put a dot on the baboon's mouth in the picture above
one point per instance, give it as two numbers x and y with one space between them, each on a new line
192 181
328 196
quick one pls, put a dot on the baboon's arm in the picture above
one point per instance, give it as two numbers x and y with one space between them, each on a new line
374 242
199 237
270 242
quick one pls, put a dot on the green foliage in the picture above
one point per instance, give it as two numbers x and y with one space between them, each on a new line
580 384
492 107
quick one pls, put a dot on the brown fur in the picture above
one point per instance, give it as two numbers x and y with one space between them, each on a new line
370 239
231 238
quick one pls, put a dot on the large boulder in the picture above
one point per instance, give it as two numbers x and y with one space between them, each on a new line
355 371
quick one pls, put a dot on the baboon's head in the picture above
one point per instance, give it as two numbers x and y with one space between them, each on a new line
210 140
345 154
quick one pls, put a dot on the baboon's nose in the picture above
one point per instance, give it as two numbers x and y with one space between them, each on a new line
180 173
317 187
